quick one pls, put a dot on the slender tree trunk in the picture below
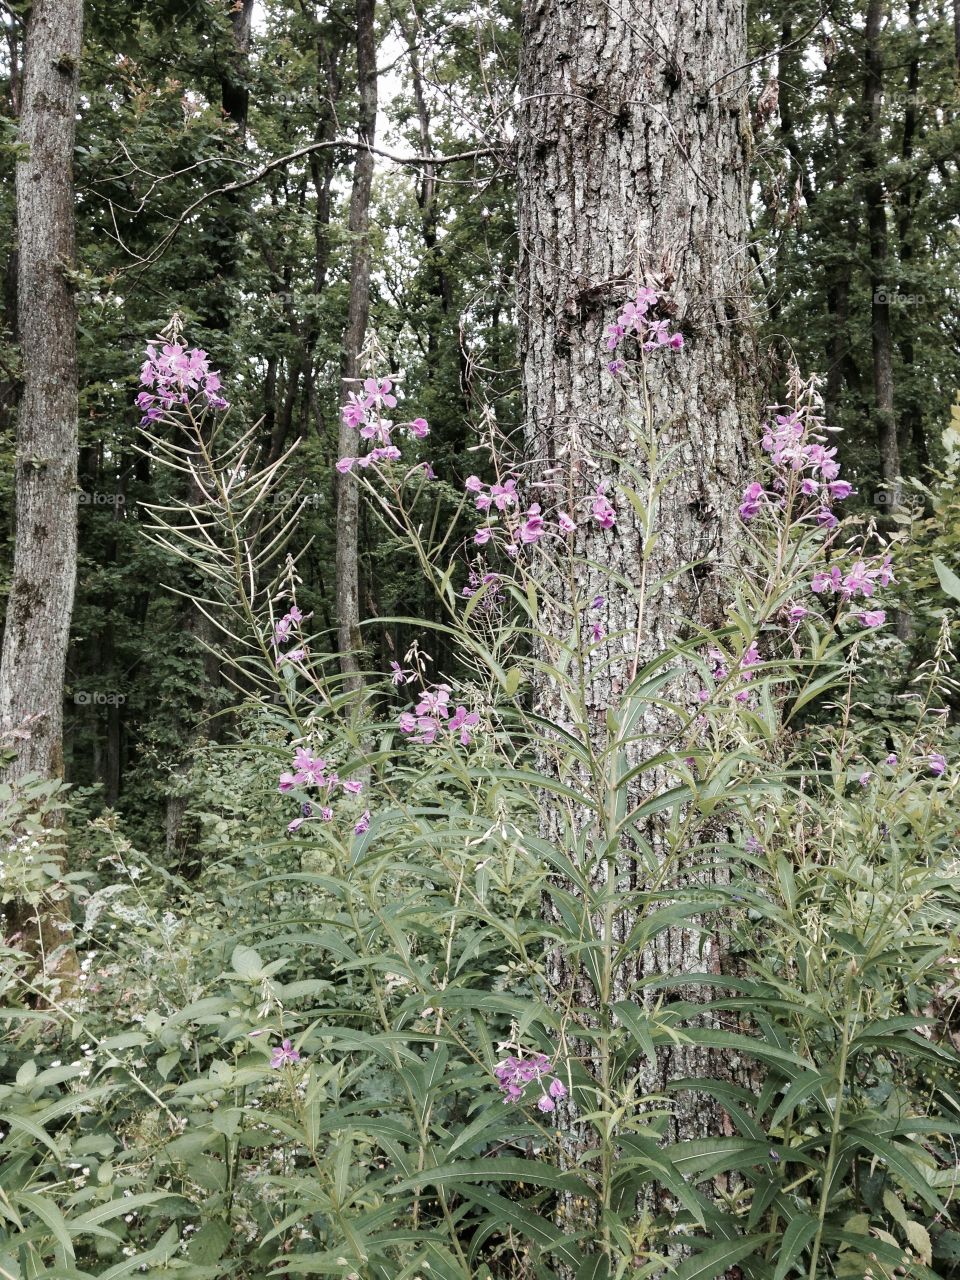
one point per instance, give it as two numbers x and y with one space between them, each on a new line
37 627
912 423
880 284
631 171
234 90
347 553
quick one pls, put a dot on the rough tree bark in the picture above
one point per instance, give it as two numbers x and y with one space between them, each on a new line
631 170
37 627
347 566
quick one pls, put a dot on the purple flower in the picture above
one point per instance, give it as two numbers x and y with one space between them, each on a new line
832 581
345 464
865 777
461 722
284 1054
872 617
566 524
514 1074
937 764
309 768
177 376
839 489
797 613
419 428
363 823
615 367
750 659
753 845
354 412
602 511
378 392
532 528
753 498
891 759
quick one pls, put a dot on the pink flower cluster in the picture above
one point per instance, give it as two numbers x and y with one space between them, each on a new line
720 670
862 578
283 633
489 583
365 413
804 466
528 527
935 762
434 716
176 376
516 1074
803 489
309 770
634 321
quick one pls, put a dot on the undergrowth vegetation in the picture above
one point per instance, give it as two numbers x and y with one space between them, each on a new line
397 1023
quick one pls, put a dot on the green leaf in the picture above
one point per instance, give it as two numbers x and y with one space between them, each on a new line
919 1238
898 1162
715 1261
540 1231
797 1236
246 962
48 1213
30 1126
635 1020
118 1207
27 1073
210 1243
534 1173
948 579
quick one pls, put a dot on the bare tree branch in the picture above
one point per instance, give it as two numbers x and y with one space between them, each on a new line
282 161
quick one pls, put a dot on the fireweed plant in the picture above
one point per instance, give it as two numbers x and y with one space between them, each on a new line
373 1065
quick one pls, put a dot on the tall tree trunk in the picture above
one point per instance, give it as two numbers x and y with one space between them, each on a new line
347 553
37 627
632 171
234 90
880 283
912 396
